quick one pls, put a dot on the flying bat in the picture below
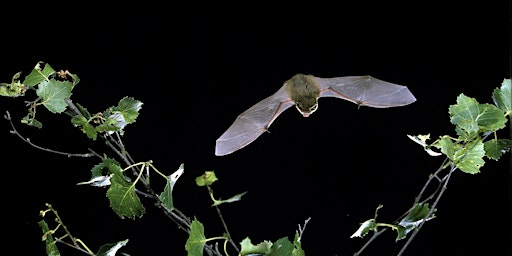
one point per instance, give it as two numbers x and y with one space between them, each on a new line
303 91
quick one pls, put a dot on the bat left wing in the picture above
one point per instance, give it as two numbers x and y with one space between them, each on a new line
249 125
365 91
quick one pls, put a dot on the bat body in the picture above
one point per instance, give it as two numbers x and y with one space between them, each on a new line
303 91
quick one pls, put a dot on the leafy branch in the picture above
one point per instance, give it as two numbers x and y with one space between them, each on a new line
125 185
474 124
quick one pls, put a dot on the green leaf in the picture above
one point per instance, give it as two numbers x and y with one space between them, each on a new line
14 89
447 147
282 247
298 247
261 248
129 107
232 199
85 126
125 113
490 118
106 167
75 78
83 111
102 172
502 96
111 249
464 115
364 228
206 179
422 140
496 147
53 95
121 194
472 118
38 75
166 195
109 125
417 215
29 119
100 181
469 158
196 240
51 246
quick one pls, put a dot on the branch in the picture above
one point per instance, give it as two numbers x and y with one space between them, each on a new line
27 140
432 209
439 192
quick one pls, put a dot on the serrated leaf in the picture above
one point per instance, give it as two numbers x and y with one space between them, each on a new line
413 219
496 147
447 147
206 179
124 113
51 246
111 249
14 89
196 240
472 118
38 74
232 199
106 167
121 194
422 140
75 78
490 118
90 131
364 228
166 195
248 248
30 120
109 125
129 107
281 247
298 246
85 126
502 96
98 181
83 111
78 120
464 115
53 95
469 158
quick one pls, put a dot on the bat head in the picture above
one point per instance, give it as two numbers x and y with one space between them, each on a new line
306 109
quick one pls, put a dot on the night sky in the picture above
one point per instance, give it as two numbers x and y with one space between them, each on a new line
197 66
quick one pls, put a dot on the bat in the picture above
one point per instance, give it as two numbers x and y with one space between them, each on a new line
303 91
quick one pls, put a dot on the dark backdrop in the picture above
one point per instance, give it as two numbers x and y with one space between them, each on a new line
197 66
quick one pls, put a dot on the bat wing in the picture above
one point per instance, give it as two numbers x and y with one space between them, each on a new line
253 122
365 91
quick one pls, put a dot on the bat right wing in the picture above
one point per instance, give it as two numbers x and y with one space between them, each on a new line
249 125
365 91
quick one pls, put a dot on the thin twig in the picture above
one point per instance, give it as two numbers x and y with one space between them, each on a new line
417 199
435 175
432 209
15 132
301 229
374 236
226 229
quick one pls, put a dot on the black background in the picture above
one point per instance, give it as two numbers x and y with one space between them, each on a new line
196 66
